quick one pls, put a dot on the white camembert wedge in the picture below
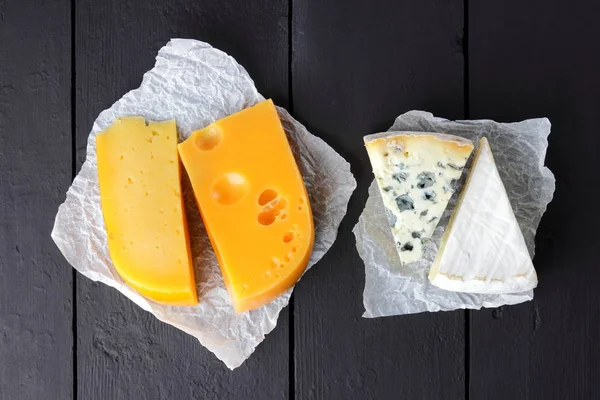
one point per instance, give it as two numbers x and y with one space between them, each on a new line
483 249
416 173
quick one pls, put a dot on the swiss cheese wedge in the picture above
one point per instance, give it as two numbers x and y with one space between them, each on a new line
253 203
140 194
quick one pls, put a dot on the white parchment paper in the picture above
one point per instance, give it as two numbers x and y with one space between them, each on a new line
196 84
519 151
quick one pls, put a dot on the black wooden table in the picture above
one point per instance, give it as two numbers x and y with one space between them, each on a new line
345 69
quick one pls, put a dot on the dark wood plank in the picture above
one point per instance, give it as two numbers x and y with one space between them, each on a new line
123 352
532 59
355 67
36 357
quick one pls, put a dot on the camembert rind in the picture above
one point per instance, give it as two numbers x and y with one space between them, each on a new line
483 249
416 173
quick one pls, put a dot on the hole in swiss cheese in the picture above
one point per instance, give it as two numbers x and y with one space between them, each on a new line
266 218
208 138
267 196
229 189
288 237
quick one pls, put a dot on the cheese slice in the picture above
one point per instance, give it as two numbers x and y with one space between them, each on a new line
140 195
483 249
253 203
416 174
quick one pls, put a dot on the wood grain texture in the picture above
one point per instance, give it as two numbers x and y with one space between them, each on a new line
355 67
124 352
35 171
535 59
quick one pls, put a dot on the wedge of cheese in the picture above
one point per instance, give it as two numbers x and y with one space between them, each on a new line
483 249
416 174
253 203
140 194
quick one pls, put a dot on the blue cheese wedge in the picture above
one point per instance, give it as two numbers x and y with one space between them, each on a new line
416 173
483 249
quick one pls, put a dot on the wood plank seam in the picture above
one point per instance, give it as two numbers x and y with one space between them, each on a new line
73 174
465 50
292 348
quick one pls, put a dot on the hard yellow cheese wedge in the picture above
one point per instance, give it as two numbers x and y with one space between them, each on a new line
253 202
140 194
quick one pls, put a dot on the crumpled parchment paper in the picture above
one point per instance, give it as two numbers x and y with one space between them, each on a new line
519 151
196 84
